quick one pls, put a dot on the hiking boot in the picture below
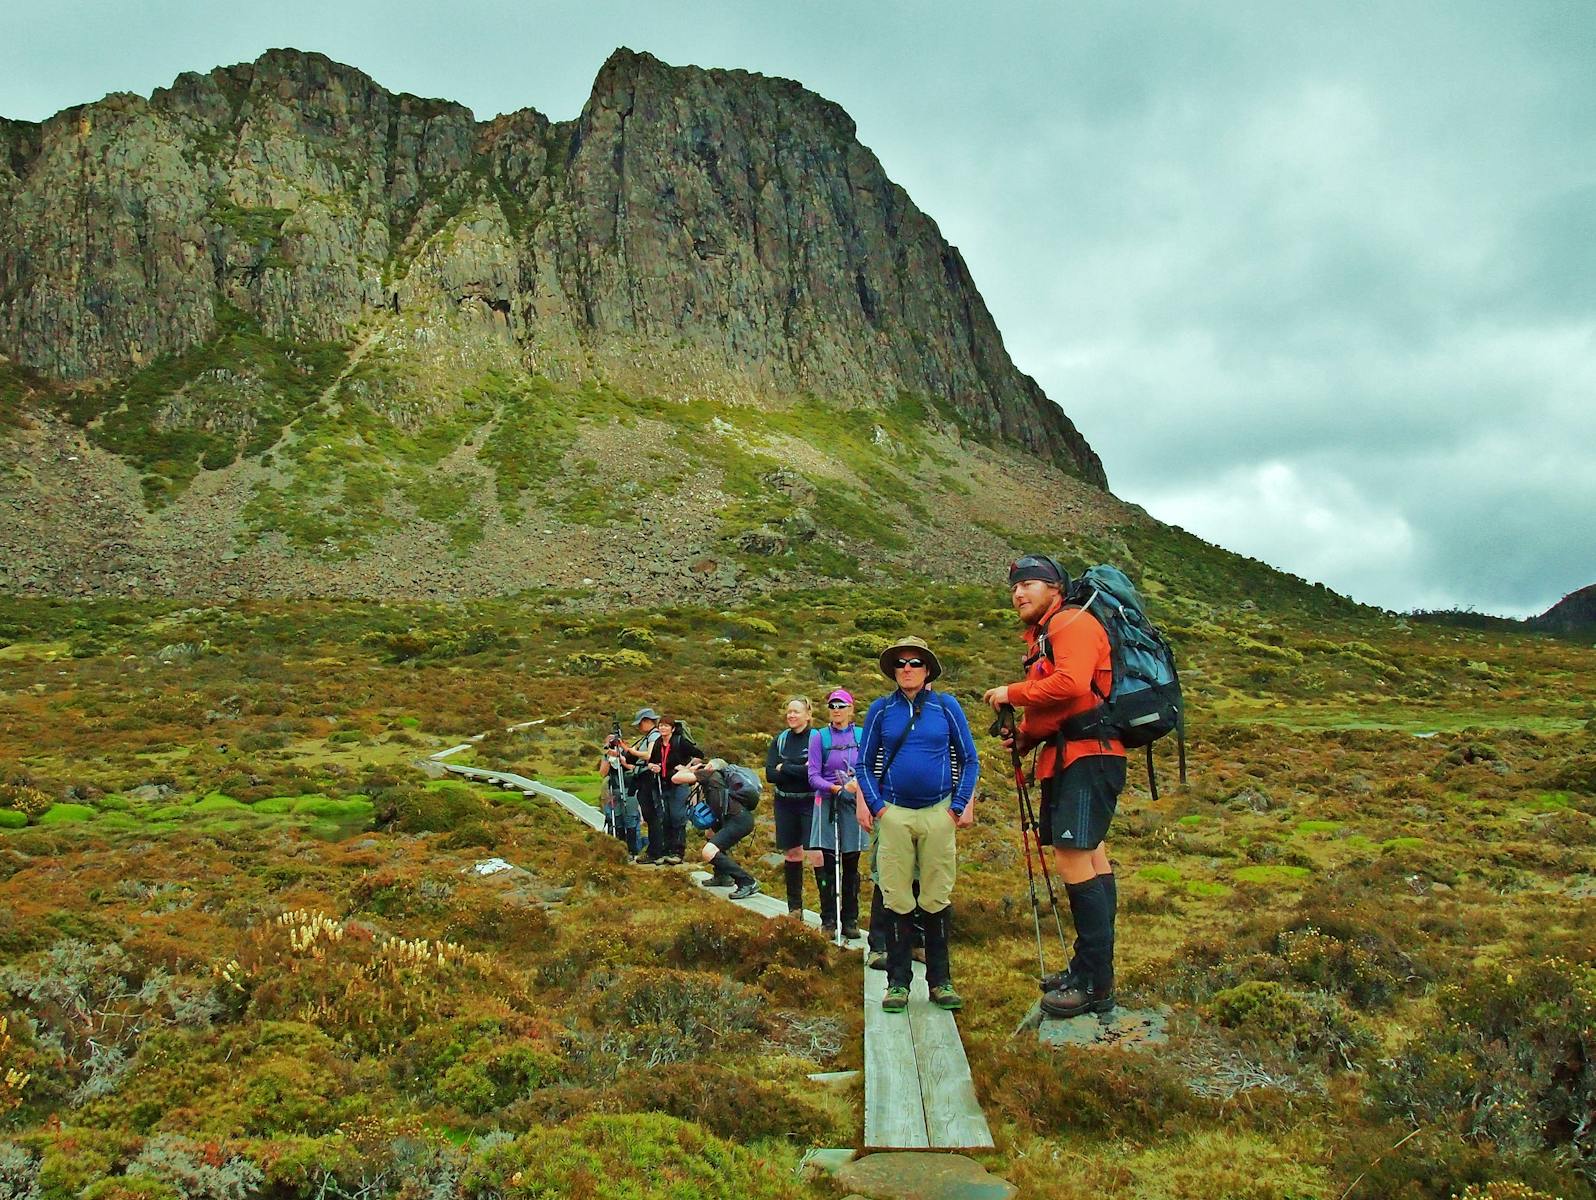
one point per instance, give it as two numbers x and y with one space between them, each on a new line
1074 1001
877 961
747 890
943 996
646 860
797 914
896 999
1062 981
717 883
851 932
829 931
671 860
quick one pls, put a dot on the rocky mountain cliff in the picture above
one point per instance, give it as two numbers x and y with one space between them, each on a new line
277 331
690 230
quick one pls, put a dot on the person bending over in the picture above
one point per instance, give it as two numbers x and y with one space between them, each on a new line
731 793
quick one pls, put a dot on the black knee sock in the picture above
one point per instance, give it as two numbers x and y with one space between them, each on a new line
1094 931
850 890
825 880
938 931
900 939
1112 888
794 873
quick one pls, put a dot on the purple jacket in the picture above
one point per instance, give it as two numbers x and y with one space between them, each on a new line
844 757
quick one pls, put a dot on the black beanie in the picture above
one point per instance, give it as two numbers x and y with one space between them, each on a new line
1038 566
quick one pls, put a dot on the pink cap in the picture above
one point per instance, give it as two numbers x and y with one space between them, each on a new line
840 694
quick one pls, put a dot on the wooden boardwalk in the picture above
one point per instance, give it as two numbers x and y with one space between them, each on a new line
918 1090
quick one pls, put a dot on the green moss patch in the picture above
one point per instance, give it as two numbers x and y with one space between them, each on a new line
10 818
1159 874
357 807
67 814
1402 843
1318 826
216 802
1270 873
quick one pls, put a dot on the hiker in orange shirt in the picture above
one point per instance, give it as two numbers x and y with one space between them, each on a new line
1069 672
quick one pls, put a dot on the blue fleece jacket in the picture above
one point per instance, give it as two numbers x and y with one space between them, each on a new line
937 760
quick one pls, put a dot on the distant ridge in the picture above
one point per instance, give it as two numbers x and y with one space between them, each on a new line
1574 613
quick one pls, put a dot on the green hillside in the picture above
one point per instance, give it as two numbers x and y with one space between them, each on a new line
240 934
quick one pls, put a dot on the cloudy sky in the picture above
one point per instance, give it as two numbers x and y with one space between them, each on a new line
1317 280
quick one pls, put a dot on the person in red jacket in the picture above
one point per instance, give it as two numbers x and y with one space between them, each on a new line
1068 672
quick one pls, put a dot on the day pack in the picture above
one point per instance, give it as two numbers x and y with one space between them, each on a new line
742 785
1144 703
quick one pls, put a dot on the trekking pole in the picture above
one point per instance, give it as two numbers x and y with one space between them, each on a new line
1006 724
836 856
1002 726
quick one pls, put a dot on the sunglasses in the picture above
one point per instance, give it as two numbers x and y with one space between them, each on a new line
909 662
839 704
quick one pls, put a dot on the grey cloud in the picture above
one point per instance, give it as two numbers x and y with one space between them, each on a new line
1318 281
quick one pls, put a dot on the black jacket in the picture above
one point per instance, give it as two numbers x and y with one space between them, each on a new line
683 750
787 766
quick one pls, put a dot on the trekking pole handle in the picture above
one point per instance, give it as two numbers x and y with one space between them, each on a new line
1003 724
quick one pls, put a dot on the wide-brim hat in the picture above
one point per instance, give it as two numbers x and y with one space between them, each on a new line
909 643
645 714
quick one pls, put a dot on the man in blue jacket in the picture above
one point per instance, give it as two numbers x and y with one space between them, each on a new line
917 775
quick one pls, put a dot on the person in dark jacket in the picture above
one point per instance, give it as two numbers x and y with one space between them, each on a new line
787 772
917 774
734 819
673 751
644 784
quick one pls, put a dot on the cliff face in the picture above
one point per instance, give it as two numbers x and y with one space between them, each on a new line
690 230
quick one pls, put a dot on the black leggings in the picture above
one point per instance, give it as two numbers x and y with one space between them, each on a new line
825 876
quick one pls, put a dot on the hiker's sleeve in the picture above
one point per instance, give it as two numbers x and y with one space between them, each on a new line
1073 664
867 757
817 764
773 762
962 746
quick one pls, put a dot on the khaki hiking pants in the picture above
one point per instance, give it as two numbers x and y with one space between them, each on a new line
911 840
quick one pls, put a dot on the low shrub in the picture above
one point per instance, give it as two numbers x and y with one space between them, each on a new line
1306 1026
29 801
1087 1091
735 1107
1512 1062
604 1156
883 620
586 662
432 809
663 1015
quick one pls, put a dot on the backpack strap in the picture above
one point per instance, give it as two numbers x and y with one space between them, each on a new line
914 715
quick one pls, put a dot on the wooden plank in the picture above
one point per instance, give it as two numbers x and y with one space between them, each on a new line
953 1116
894 1112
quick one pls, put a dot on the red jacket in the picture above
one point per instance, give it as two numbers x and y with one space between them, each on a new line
1052 692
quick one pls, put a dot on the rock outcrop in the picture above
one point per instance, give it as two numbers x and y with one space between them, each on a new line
1574 613
689 230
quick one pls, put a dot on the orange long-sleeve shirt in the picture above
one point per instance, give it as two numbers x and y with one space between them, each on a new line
1052 692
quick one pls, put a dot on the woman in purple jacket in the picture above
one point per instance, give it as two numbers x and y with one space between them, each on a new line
833 758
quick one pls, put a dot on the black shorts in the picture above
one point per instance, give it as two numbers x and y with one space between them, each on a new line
737 824
1078 805
792 821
